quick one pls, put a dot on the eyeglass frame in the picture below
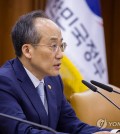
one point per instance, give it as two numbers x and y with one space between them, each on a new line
55 47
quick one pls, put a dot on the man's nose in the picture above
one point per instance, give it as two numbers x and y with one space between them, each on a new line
59 54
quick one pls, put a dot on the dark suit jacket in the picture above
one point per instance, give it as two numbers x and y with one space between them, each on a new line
19 98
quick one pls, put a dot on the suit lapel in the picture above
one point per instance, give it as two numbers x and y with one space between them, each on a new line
36 101
30 91
51 99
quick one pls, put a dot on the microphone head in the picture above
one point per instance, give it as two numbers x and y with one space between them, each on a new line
90 86
103 86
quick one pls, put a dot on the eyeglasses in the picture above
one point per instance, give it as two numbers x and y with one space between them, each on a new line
55 47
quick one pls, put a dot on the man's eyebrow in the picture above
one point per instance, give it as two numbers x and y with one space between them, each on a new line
55 38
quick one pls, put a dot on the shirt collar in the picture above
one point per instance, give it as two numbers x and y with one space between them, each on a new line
34 80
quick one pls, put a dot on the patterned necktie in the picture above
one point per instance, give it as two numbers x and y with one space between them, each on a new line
42 95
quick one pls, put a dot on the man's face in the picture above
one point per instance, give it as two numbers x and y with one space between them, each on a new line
45 61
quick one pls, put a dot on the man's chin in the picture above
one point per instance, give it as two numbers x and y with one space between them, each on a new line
54 73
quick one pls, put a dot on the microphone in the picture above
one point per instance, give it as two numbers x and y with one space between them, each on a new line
28 122
94 89
103 86
90 86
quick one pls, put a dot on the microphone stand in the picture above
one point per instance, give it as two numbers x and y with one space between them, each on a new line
116 92
94 89
28 122
108 100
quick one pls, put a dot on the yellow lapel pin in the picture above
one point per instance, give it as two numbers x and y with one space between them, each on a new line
49 87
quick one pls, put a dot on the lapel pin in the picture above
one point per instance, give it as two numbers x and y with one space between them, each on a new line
49 86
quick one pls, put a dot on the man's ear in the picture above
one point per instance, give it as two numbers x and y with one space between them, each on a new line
26 50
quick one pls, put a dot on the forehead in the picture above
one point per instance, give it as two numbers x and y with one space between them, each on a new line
48 29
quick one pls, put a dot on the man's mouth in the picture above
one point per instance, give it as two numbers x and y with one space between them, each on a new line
57 66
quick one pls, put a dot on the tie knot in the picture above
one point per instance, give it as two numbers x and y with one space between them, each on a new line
40 89
41 84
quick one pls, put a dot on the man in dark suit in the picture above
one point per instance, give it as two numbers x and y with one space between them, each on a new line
39 47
